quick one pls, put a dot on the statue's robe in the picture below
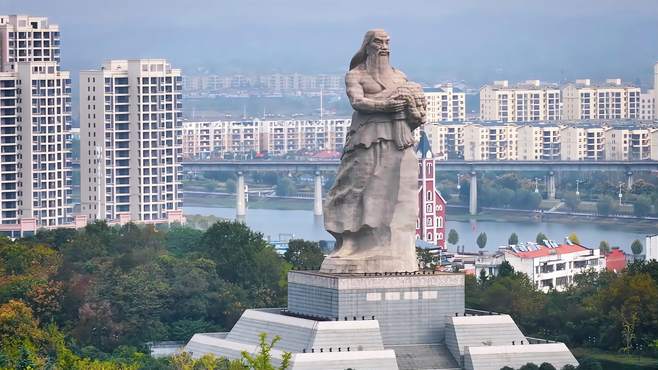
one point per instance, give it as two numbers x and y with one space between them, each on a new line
373 201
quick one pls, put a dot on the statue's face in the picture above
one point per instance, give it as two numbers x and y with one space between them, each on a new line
378 45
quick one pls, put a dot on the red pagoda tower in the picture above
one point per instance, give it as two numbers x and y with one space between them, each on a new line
430 224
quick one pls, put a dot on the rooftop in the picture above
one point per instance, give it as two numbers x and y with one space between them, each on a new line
536 250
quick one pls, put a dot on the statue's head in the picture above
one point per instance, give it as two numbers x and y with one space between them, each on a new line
375 43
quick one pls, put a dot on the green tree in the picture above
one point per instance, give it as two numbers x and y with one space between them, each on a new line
304 255
506 368
604 247
589 364
505 269
642 206
285 187
210 186
546 366
637 247
453 237
425 258
231 186
606 205
574 238
513 239
568 367
572 200
180 239
482 240
540 238
263 359
529 366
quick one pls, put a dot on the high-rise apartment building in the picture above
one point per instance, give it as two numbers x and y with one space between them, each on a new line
130 141
35 127
447 139
538 142
583 143
655 91
525 102
276 137
627 143
647 106
35 113
25 38
445 103
613 100
490 142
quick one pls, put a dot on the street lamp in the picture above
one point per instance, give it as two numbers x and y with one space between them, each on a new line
577 189
536 185
459 185
620 194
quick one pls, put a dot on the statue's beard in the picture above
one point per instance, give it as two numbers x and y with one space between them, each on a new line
379 68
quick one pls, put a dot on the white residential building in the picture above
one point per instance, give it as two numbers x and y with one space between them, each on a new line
526 102
538 142
613 100
655 91
445 103
35 112
130 123
556 266
628 143
648 106
25 38
490 142
583 143
277 137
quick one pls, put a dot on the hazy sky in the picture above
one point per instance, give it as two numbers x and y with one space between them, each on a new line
431 40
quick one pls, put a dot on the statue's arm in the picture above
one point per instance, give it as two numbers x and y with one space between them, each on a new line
362 104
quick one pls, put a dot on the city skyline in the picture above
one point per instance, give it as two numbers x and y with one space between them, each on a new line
560 42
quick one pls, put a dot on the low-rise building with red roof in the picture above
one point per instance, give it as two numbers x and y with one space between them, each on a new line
615 260
553 266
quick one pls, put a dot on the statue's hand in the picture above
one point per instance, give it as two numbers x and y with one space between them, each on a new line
394 105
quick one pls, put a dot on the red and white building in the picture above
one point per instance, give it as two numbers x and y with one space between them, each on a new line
553 266
430 224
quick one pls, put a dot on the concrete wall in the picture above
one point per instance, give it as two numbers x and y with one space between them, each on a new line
411 309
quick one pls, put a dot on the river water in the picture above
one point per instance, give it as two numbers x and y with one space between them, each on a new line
302 224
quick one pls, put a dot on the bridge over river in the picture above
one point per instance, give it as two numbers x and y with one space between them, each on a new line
472 167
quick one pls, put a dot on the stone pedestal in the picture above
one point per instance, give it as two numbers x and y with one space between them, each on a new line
410 308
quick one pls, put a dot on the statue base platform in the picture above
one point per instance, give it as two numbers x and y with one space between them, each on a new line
372 264
411 308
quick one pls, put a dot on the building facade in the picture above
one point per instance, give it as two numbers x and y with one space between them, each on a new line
430 223
36 144
583 143
445 103
612 100
648 105
25 38
622 144
130 141
490 141
538 142
35 131
554 266
216 139
528 101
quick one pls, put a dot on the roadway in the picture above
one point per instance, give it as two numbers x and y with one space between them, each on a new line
451 165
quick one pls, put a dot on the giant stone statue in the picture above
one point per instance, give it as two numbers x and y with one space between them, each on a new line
371 209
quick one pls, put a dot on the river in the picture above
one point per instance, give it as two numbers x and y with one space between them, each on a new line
302 224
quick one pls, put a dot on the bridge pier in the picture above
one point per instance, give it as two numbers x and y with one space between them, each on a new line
317 195
629 180
240 203
473 199
550 186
